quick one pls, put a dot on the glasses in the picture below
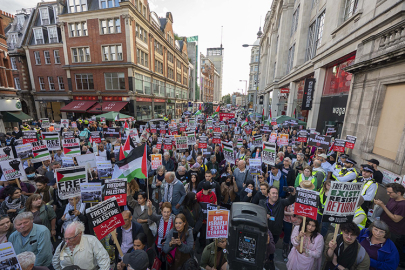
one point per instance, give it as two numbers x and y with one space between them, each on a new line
71 238
378 231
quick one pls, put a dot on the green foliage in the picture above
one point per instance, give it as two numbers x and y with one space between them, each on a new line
226 99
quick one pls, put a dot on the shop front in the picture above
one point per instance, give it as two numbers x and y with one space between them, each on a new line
11 112
159 107
178 109
143 109
170 108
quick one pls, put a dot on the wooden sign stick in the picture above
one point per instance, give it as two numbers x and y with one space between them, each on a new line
18 183
336 232
117 244
303 230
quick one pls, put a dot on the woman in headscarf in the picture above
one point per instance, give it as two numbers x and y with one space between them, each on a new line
13 202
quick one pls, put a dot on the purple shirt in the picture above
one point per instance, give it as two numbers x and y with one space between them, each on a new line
372 250
396 208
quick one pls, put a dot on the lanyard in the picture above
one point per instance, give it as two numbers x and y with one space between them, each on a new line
271 210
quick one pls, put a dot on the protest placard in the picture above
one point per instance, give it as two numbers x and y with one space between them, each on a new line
273 137
319 141
12 169
226 116
168 145
156 161
45 123
257 141
73 124
181 143
306 203
91 192
191 140
52 140
341 202
64 123
216 139
24 151
69 180
191 123
40 151
71 147
105 217
88 160
159 143
111 132
239 143
95 137
67 162
229 153
8 257
104 169
6 153
339 145
203 142
57 127
302 136
153 128
217 224
116 188
68 135
350 141
283 139
269 153
29 136
331 130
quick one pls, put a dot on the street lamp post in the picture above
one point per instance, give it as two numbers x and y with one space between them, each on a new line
259 35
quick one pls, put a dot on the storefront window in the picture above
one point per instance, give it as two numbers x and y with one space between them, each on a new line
159 109
143 84
147 86
178 95
184 94
138 83
143 111
170 110
155 86
337 80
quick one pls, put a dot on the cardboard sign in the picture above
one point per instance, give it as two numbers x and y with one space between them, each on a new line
45 123
226 116
156 161
105 217
203 142
95 136
283 139
168 144
71 147
302 136
88 160
73 124
319 141
342 202
91 192
228 152
217 224
40 152
52 140
350 141
69 180
191 140
339 145
57 127
181 143
12 169
306 203
104 169
67 162
216 139
64 123
24 151
116 188
269 153
8 257
29 136
111 132
6 153
273 137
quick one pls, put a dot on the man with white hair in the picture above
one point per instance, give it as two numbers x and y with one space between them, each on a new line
241 175
32 237
168 162
80 249
27 261
174 192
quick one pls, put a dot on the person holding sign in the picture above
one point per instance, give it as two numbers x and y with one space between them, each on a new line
345 252
74 211
211 262
311 256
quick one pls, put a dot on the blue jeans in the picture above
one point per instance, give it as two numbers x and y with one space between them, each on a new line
324 226
287 232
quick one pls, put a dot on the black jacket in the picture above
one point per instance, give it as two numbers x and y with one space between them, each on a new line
244 196
136 229
185 177
194 217
276 211
215 186
258 197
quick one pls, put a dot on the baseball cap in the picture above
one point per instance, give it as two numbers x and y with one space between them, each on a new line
323 156
374 161
207 185
137 259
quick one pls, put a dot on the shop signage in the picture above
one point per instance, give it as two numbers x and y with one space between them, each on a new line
160 100
284 90
308 94
143 99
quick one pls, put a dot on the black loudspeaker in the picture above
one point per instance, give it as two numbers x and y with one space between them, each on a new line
247 236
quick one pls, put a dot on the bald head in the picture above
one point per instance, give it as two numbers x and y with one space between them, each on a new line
317 163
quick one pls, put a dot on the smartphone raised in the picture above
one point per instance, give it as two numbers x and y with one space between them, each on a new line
175 235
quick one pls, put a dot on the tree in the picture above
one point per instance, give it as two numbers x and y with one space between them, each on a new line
226 99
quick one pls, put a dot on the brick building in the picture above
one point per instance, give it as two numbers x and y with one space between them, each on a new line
91 57
207 79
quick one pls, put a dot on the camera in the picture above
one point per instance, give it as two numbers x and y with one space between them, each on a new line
175 235
288 189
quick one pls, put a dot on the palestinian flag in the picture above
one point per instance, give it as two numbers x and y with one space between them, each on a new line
216 112
263 115
198 112
71 147
117 118
71 173
40 152
133 166
47 136
126 149
245 123
126 126
199 108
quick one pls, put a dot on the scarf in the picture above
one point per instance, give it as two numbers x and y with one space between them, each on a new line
346 257
13 204
160 177
274 178
169 191
161 229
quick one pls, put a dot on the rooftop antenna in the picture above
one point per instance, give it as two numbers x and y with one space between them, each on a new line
221 35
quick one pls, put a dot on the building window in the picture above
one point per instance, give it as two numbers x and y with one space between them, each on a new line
51 83
178 77
56 13
142 84
61 83
44 14
37 58
170 57
47 57
158 48
53 35
170 73
39 36
320 22
77 6
290 60
350 8
141 33
142 58
295 20
84 82
41 83
337 81
13 63
185 81
110 26
158 66
112 53
17 83
311 48
56 56
114 81
109 3
78 29
81 55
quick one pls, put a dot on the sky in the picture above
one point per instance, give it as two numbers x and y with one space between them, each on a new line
240 21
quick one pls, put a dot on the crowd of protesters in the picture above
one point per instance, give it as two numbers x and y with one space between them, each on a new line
164 220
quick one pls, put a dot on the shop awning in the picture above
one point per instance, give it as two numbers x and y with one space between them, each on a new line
108 106
78 106
16 117
111 116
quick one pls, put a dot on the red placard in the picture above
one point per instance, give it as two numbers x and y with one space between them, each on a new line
153 130
216 140
349 145
284 90
163 131
202 145
248 131
168 146
217 223
305 210
339 148
226 116
306 203
217 129
29 140
302 139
